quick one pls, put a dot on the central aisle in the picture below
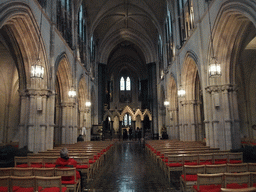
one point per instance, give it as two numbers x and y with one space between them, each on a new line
130 170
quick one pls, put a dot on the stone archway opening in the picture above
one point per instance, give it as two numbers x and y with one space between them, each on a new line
191 107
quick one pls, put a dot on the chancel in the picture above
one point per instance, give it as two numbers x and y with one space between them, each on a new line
134 91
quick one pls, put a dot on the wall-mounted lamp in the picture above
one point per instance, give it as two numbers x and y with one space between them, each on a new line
181 93
166 103
88 104
72 93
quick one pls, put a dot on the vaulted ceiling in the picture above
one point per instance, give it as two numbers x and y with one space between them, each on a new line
139 22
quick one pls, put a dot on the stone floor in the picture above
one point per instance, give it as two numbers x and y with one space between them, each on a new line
130 170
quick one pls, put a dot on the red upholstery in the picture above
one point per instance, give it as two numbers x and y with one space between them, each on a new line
69 182
95 157
253 143
162 156
52 189
49 165
236 186
208 188
205 163
3 189
235 161
190 177
165 160
21 189
175 165
158 153
91 161
82 166
190 163
36 165
221 162
22 165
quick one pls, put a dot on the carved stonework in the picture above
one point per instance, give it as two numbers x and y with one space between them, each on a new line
221 88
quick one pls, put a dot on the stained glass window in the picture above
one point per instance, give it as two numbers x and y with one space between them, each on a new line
122 84
128 84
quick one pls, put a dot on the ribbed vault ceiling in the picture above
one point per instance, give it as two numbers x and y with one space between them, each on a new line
137 21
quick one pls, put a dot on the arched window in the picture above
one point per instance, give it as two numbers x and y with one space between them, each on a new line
169 37
82 34
186 19
127 120
128 84
64 20
125 84
122 84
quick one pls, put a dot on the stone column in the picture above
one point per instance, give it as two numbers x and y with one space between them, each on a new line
120 130
23 120
111 129
64 124
32 123
50 116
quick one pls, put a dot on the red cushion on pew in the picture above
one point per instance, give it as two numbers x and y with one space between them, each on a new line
69 182
221 162
22 189
165 160
52 189
236 186
95 157
49 165
175 165
3 189
82 166
36 165
190 163
208 188
162 156
190 177
92 161
205 163
253 143
158 153
22 165
235 161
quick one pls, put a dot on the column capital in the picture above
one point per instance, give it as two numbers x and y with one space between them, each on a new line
221 88
36 92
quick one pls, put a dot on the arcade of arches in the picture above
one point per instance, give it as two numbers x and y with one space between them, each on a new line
124 60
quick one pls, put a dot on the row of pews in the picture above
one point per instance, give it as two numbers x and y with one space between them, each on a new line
201 168
90 157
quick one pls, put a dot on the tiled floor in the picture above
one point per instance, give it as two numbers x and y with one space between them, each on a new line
130 170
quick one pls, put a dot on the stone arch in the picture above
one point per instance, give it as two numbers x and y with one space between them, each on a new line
20 25
138 113
63 104
147 112
231 25
64 76
127 109
108 114
233 29
172 93
82 99
82 93
189 73
172 112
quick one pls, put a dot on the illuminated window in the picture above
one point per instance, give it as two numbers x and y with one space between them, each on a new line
127 120
122 84
128 84
125 85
